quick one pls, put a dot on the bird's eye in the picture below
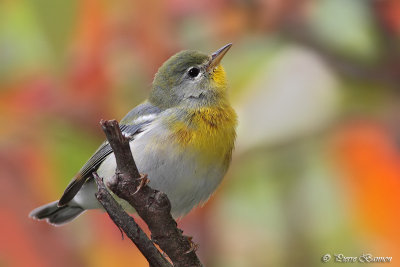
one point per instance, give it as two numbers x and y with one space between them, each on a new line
193 72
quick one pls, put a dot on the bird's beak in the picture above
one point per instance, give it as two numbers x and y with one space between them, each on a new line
217 56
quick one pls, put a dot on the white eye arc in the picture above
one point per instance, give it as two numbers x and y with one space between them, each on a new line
193 72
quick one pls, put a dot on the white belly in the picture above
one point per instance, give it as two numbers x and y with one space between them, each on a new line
170 169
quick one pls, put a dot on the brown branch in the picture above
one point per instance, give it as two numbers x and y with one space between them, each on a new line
127 224
152 206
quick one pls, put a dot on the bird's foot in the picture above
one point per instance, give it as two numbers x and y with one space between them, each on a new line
143 181
193 246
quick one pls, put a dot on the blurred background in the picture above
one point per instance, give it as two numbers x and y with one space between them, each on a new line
316 84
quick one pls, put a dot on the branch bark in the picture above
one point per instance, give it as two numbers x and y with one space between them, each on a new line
127 224
151 205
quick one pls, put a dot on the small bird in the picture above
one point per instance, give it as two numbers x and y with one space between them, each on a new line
182 137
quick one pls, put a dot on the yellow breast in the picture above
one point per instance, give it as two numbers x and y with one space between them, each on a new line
210 131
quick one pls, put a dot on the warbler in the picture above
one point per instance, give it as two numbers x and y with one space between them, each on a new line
182 137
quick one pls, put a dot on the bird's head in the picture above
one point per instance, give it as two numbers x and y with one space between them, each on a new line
190 78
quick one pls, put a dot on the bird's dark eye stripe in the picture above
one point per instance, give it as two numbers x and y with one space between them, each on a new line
193 72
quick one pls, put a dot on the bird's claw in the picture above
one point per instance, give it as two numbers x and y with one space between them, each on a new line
143 180
193 246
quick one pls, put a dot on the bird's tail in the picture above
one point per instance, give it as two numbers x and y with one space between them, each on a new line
56 215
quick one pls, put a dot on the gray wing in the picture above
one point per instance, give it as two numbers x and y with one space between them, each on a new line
145 109
130 125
